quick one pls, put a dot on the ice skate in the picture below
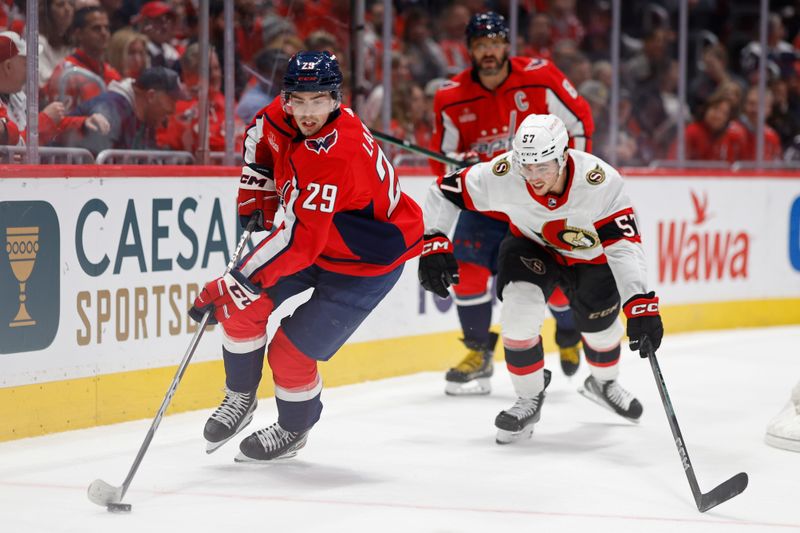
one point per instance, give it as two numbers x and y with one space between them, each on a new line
472 376
235 412
612 396
784 430
517 422
271 443
570 358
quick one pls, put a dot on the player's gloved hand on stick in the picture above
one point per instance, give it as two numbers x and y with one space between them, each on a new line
438 268
225 296
644 322
467 158
257 195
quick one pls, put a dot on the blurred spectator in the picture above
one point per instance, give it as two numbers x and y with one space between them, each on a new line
453 22
426 59
733 92
182 131
249 29
373 40
84 74
127 52
323 41
116 18
658 110
785 116
780 53
596 93
565 22
597 42
134 110
602 72
430 91
373 106
748 121
157 21
563 53
270 67
55 18
709 138
578 69
540 36
408 111
713 72
647 64
13 100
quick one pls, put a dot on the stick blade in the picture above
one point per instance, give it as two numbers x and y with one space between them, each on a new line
723 492
102 493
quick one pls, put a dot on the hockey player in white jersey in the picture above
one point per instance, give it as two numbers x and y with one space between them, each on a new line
571 225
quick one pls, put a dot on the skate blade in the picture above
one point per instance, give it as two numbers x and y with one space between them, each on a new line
476 387
508 437
242 458
586 393
211 447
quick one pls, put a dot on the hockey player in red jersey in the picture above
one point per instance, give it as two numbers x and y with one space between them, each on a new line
347 231
476 114
571 225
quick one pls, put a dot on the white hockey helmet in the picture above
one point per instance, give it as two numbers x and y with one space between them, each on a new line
540 138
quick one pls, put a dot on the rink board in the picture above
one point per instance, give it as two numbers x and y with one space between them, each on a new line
111 258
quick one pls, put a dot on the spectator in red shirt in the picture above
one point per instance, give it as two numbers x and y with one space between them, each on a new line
710 138
748 121
182 131
453 23
565 23
84 74
540 36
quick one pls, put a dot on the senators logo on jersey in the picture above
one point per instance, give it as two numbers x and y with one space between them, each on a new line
557 234
323 144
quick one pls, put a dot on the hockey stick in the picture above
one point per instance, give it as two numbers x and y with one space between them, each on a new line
430 154
721 493
103 493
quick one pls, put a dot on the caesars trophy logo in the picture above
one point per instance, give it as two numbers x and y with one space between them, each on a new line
29 276
22 244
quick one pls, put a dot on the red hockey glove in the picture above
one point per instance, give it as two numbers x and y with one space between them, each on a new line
225 296
644 322
257 195
437 265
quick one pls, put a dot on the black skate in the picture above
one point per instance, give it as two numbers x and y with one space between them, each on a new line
472 376
612 396
235 412
570 358
271 443
517 423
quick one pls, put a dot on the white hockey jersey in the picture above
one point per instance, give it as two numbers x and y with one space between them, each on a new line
592 221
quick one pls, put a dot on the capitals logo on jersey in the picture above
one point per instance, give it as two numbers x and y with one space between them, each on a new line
323 144
559 235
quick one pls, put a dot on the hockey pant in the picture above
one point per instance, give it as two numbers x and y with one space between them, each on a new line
524 286
313 332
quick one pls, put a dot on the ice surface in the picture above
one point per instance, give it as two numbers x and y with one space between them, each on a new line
399 455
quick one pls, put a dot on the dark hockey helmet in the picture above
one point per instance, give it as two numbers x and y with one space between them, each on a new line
313 72
489 24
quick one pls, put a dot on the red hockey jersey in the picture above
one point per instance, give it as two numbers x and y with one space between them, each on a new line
470 117
344 210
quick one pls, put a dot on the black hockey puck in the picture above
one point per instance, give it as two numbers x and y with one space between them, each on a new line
119 507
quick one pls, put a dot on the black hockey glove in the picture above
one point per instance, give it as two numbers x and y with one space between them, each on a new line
437 265
644 322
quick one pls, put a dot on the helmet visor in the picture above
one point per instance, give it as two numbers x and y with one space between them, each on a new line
307 103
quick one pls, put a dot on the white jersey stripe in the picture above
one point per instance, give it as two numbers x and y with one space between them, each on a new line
300 394
573 123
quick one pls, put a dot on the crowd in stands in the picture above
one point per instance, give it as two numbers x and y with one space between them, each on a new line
126 73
